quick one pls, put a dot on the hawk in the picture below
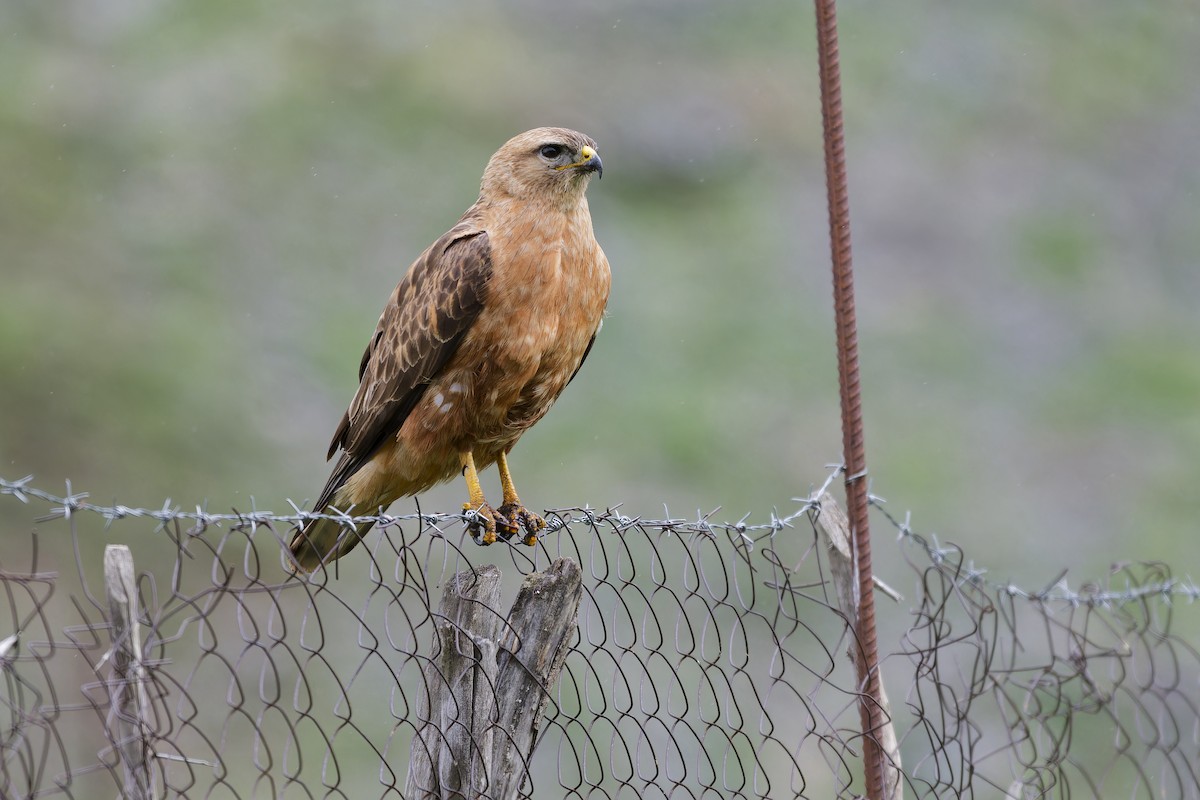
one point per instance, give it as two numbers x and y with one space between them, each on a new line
476 343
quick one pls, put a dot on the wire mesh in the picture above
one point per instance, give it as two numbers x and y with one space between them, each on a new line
709 662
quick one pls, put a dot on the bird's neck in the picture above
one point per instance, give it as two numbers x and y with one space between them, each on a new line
556 206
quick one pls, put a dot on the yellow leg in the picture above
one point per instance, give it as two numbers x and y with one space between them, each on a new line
512 508
474 490
506 482
485 517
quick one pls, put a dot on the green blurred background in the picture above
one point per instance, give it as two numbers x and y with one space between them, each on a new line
203 207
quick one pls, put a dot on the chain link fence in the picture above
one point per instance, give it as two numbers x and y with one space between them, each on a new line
709 661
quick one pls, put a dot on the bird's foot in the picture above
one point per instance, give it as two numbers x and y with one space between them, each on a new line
523 517
484 522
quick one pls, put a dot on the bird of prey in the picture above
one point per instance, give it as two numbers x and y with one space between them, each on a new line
480 337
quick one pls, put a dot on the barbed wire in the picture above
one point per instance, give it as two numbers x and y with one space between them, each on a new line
63 506
72 503
706 661
1091 594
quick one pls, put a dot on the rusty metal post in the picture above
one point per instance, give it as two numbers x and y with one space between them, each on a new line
853 445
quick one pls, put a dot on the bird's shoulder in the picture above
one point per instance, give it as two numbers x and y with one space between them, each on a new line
421 327
446 282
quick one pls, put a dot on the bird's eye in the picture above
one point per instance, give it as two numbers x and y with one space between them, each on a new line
551 151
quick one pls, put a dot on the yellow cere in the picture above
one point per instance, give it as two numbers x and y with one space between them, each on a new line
585 155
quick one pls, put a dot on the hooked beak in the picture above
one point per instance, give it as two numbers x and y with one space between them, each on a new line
589 161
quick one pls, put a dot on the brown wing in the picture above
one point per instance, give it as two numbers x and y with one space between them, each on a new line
422 326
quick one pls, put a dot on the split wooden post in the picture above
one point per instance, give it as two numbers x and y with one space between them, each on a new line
488 682
833 523
130 704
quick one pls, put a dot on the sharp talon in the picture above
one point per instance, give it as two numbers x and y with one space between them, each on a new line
504 527
532 523
482 523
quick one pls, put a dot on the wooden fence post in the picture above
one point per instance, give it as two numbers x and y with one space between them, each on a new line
488 683
130 703
832 522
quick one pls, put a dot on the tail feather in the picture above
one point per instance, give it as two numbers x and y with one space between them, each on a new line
324 541
367 491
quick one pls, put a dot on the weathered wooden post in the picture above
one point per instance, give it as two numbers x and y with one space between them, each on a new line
488 682
130 705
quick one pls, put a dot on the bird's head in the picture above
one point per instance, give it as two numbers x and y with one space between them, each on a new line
552 163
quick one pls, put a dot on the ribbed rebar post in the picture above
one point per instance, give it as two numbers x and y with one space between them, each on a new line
853 446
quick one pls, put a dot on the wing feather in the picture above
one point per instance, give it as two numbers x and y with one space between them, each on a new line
420 329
